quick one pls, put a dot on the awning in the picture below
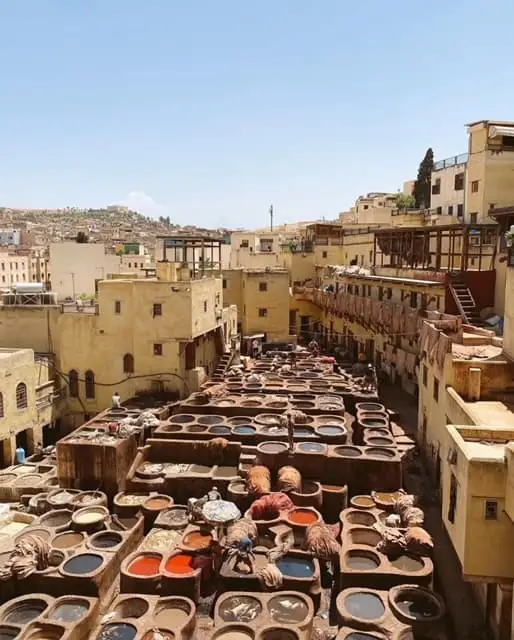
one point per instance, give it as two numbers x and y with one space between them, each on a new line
501 131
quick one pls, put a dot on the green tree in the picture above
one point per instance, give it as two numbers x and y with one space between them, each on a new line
405 201
423 184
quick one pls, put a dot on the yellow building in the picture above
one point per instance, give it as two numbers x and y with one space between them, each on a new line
262 300
142 335
448 187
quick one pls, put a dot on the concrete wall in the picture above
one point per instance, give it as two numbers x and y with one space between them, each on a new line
448 196
508 332
75 267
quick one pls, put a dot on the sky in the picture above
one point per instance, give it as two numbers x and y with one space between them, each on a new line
211 110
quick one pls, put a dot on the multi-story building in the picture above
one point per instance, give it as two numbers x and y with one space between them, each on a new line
160 333
449 187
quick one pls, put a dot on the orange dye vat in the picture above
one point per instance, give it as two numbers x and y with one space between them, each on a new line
145 566
158 503
198 540
301 516
181 563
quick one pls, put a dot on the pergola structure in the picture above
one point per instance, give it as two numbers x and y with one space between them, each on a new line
202 254
504 216
438 248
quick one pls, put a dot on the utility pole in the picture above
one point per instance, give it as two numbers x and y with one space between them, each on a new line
271 217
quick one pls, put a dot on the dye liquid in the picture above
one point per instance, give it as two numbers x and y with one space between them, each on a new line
70 612
145 566
296 567
119 631
180 564
366 606
84 563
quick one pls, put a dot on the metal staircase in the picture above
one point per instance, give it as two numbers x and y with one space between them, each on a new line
465 302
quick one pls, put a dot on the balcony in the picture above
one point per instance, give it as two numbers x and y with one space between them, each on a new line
48 401
452 161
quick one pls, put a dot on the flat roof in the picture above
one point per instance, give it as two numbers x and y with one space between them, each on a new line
395 279
482 443
192 238
432 229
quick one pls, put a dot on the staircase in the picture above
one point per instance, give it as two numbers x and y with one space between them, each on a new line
465 302
223 366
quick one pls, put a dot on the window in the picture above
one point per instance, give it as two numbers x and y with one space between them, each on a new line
439 211
365 207
491 510
263 313
1 406
130 265
452 503
474 186
436 389
244 244
389 294
324 254
224 283
460 210
73 383
414 300
157 309
157 349
117 307
508 141
205 306
450 210
263 286
90 385
21 396
473 218
436 187
425 375
458 183
128 363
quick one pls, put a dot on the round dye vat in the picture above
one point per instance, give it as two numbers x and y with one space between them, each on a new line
70 611
387 498
418 608
175 515
379 442
237 420
220 430
174 614
196 428
272 447
245 429
8 633
145 565
83 563
181 418
240 609
362 561
23 612
361 636
302 517
250 403
131 608
362 502
67 540
294 567
309 488
406 563
364 605
55 518
288 609
182 563
210 420
367 536
380 453
331 430
373 422
106 540
311 447
234 633
120 631
348 452
369 406
364 519
302 432
158 503
197 540
159 634
279 634
90 516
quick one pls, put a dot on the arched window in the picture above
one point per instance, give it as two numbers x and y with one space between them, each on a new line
74 383
128 363
90 384
21 396
1 406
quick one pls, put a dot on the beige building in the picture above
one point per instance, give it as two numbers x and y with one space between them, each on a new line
143 335
448 186
22 265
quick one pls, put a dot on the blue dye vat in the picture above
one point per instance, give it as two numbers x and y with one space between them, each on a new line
219 429
245 429
311 446
83 563
296 567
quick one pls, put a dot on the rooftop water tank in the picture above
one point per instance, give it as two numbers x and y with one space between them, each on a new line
29 287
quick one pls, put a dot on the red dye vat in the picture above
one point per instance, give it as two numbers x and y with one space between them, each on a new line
301 516
145 566
181 563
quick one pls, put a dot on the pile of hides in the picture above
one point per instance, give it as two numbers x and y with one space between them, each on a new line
258 480
270 577
215 449
289 479
254 378
411 515
31 553
215 391
294 416
244 528
321 542
414 540
269 507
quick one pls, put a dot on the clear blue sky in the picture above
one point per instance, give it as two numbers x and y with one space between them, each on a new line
210 110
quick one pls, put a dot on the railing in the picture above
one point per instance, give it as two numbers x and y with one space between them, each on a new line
453 161
47 394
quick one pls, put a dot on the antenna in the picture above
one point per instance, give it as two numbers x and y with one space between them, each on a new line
271 216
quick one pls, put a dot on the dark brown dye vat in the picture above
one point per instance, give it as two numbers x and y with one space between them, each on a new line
56 518
131 608
220 429
181 418
361 636
272 447
237 421
406 563
70 611
7 633
279 634
195 428
117 631
288 609
369 406
364 605
373 422
348 452
210 420
159 634
83 563
380 453
361 518
106 539
416 606
25 611
240 609
379 442
67 540
362 561
331 430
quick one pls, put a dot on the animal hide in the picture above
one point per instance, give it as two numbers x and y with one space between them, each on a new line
258 480
289 479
